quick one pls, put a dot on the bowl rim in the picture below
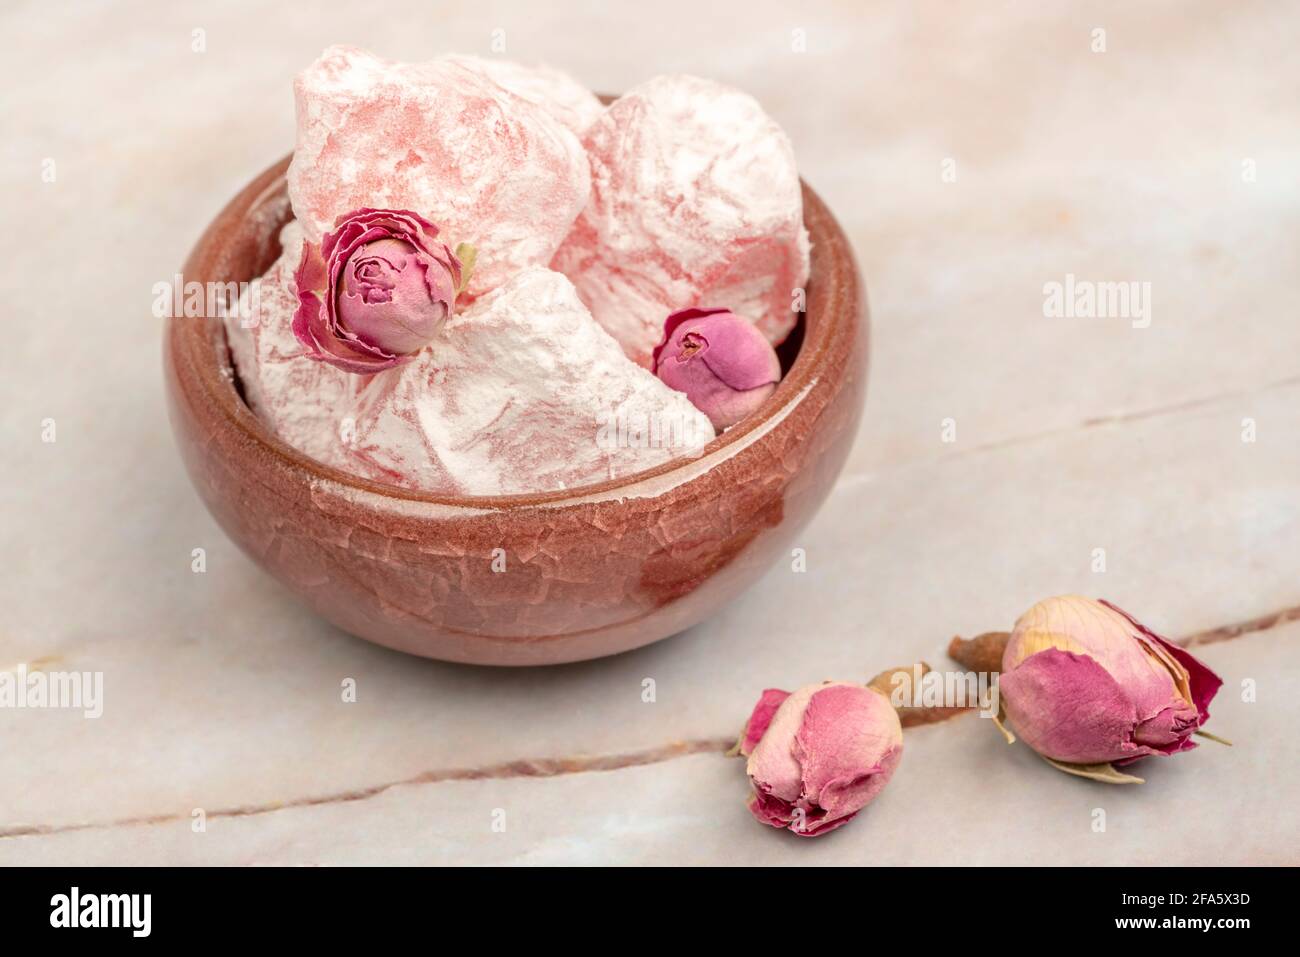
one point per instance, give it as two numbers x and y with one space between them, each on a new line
207 349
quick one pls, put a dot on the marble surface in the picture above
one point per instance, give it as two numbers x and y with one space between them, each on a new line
1173 157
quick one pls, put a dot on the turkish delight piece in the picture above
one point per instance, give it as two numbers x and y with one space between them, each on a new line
440 139
298 398
695 201
523 392
559 94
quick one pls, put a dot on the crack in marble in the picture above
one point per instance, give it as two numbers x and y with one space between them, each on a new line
555 767
1137 415
849 479
525 768
1250 626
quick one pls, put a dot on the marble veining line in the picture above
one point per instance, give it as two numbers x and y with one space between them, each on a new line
554 767
1137 415
849 479
1225 632
526 768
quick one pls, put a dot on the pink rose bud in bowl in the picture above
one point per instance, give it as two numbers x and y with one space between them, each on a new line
1086 684
376 292
820 755
726 367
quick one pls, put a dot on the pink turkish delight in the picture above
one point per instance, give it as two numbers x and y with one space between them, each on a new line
695 201
522 392
298 398
441 139
690 200
559 94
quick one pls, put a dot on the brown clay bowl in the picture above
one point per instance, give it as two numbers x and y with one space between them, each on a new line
590 571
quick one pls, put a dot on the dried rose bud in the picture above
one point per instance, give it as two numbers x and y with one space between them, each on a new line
376 292
1085 684
726 367
819 756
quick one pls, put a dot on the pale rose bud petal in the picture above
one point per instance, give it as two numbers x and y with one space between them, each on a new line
376 292
726 367
772 767
1085 683
825 753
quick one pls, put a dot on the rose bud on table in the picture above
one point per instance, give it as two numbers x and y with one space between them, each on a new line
726 367
1090 688
820 755
377 290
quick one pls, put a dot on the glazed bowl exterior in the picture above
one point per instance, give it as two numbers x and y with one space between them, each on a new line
589 571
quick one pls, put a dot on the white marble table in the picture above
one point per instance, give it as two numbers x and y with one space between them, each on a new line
1169 158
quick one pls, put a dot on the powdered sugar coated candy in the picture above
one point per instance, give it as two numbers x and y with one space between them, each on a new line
523 392
559 94
441 139
695 202
299 399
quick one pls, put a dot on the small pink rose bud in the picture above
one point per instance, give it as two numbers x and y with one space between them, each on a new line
726 367
1085 683
376 292
820 755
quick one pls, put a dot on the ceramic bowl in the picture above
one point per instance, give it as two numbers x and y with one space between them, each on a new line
590 571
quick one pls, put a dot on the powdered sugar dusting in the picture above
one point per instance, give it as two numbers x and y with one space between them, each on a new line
554 91
298 398
442 139
695 202
524 392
